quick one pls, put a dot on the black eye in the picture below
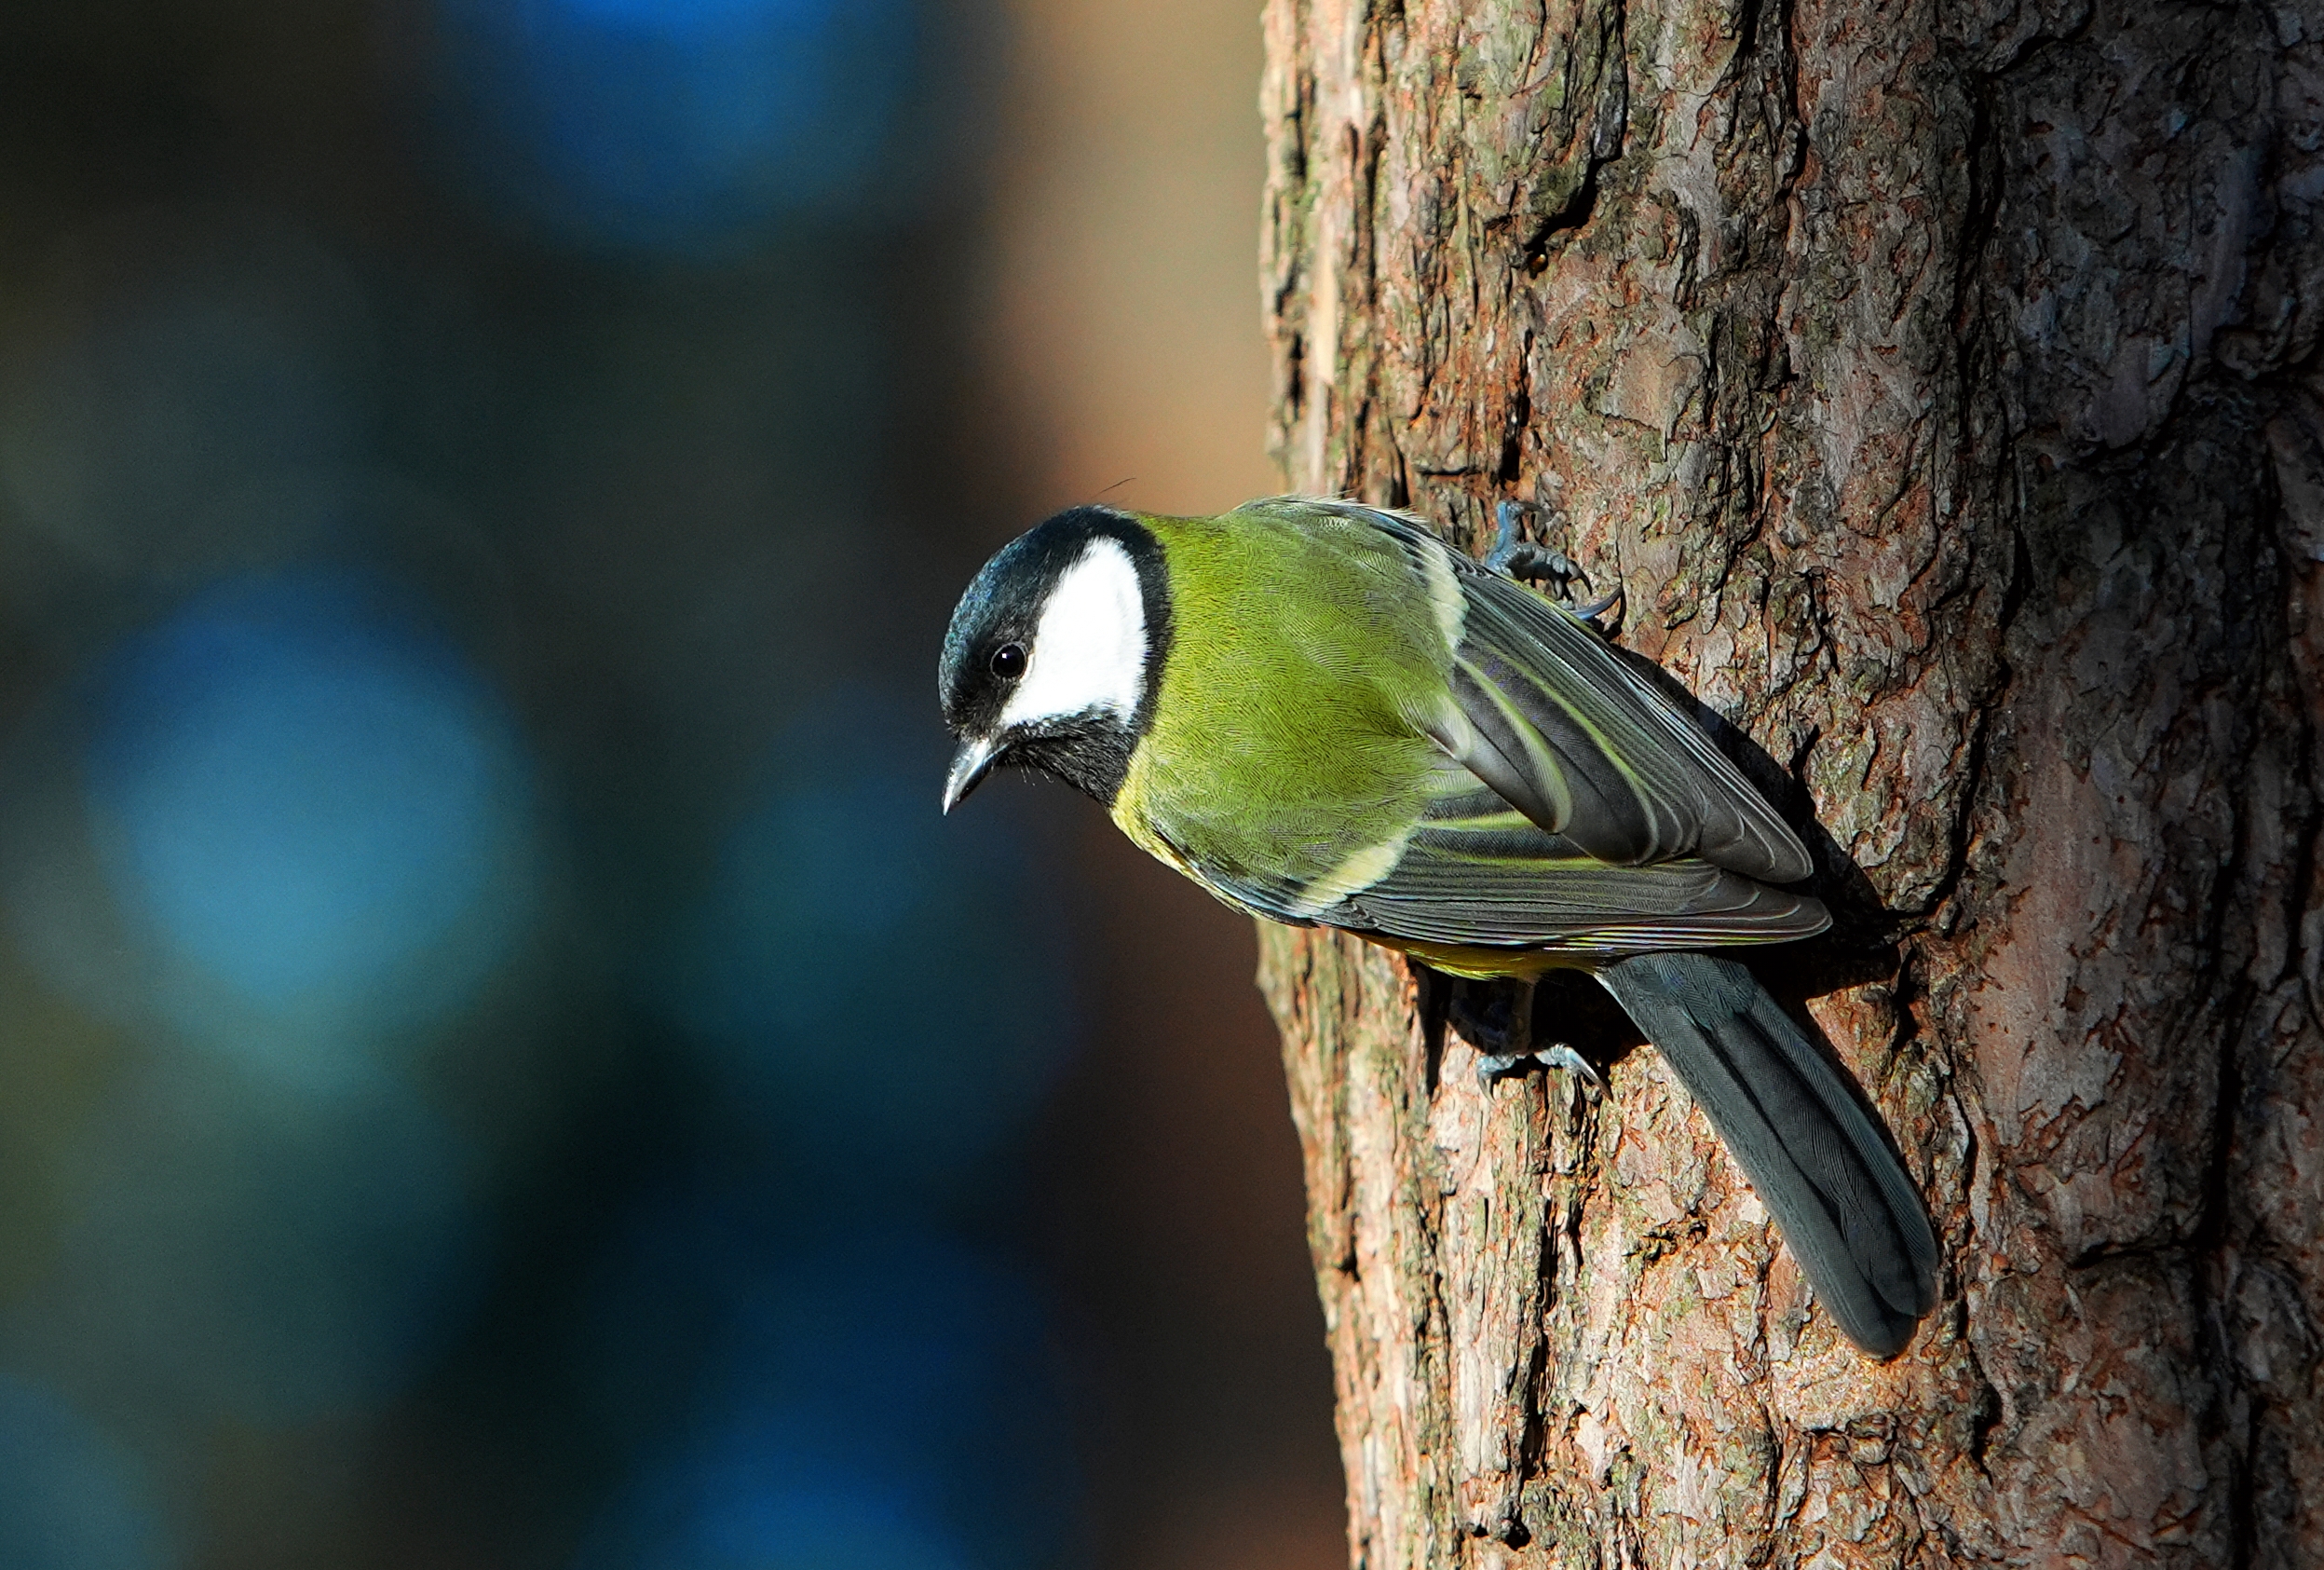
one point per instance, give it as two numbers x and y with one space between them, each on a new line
1008 661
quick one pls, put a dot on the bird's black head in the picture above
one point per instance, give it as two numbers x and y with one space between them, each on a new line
1055 653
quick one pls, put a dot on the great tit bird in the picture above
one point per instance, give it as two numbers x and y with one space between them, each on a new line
1326 717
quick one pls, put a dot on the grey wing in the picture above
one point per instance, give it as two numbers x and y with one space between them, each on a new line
1586 747
1477 872
1601 820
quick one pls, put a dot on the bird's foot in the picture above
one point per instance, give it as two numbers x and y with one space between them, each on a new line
1556 1055
1512 557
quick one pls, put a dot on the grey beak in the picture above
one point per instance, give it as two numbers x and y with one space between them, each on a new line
972 763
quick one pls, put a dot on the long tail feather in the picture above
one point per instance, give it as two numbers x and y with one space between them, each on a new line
1816 1159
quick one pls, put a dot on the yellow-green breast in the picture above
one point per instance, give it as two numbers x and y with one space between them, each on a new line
1286 746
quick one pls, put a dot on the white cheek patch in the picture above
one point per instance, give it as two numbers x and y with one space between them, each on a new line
1089 651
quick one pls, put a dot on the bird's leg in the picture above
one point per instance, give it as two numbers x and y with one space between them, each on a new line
1512 557
1502 1030
1493 1017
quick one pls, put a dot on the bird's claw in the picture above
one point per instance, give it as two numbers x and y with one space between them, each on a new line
1491 1066
1557 1054
1512 557
1598 607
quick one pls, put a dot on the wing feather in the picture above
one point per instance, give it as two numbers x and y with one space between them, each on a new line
1564 713
1555 722
1499 879
1589 814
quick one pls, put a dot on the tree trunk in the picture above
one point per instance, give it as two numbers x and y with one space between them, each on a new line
1941 382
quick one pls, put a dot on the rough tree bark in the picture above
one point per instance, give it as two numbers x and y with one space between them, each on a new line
1939 378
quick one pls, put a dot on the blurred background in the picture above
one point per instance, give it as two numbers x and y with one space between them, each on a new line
501 1063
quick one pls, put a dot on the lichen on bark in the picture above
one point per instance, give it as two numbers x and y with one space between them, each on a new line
1940 383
